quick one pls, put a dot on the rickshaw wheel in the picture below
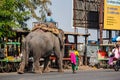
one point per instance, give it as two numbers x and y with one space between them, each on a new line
7 67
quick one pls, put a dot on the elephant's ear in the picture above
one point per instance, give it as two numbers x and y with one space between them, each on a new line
61 32
63 38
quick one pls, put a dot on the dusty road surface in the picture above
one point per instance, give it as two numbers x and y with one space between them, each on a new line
102 74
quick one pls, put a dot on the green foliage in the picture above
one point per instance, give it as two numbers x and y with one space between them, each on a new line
14 14
41 5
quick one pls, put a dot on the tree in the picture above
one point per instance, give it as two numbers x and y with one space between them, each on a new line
41 5
11 14
14 13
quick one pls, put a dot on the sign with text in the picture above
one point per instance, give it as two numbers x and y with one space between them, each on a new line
112 14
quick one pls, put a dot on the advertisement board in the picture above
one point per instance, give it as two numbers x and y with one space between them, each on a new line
85 14
112 14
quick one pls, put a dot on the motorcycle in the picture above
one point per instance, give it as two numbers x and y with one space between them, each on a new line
116 65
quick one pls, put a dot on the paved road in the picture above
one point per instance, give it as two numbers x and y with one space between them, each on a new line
68 75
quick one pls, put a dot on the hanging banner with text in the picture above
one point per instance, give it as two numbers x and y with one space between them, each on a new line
112 14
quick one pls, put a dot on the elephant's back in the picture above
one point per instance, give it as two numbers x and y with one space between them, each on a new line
42 41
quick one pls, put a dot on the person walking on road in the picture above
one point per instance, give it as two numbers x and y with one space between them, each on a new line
77 59
73 61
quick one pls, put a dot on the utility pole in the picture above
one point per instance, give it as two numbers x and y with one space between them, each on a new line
74 4
86 36
101 20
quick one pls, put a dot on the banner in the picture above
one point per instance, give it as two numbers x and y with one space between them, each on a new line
85 14
112 14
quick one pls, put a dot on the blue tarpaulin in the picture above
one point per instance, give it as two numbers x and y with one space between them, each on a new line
115 39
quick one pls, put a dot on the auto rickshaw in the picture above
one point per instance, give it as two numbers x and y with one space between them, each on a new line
11 59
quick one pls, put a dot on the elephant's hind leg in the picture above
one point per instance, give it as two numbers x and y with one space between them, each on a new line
60 68
21 69
37 68
46 65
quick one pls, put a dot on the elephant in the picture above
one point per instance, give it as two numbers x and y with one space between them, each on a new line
41 44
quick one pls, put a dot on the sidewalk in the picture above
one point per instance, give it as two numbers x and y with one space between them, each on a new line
81 68
87 68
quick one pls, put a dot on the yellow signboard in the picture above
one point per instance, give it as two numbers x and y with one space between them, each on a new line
112 14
